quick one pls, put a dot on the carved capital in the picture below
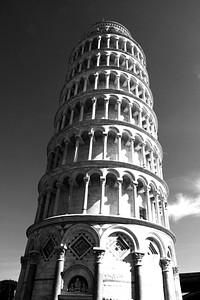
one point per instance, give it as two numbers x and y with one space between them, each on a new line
165 263
86 179
59 185
60 251
49 189
176 270
102 179
137 258
99 254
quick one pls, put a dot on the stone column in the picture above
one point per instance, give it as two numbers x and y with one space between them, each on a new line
125 48
50 160
96 75
76 148
177 283
117 42
117 57
118 109
135 204
107 79
166 214
98 290
68 93
71 117
128 85
59 186
140 117
56 156
162 200
107 41
33 260
152 161
64 158
76 88
149 213
103 183
46 208
157 207
39 210
118 81
98 59
85 200
94 101
60 250
88 62
105 135
81 112
136 90
85 84
58 126
63 121
130 112
119 182
106 101
107 59
143 154
132 150
71 185
132 49
119 137
90 45
126 63
99 42
91 135
167 281
24 261
137 257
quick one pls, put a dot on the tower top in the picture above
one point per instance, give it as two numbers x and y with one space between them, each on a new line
107 26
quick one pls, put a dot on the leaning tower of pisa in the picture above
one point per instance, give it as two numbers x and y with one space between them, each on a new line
101 230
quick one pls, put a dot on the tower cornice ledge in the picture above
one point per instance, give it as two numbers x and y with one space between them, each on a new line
96 219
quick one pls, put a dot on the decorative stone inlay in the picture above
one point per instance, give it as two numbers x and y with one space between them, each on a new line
48 248
80 246
118 246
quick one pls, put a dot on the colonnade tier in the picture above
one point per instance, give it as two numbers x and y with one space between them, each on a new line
105 144
108 58
111 41
106 107
107 79
105 192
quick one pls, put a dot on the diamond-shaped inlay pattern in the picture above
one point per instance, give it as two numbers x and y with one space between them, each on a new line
80 246
48 248
118 246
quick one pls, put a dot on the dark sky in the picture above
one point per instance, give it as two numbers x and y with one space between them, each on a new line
36 40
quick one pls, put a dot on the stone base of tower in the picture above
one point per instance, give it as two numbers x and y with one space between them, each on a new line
98 257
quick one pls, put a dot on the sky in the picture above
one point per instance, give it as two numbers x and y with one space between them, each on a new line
37 38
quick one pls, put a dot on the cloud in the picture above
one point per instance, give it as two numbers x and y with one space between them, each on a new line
184 196
184 206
